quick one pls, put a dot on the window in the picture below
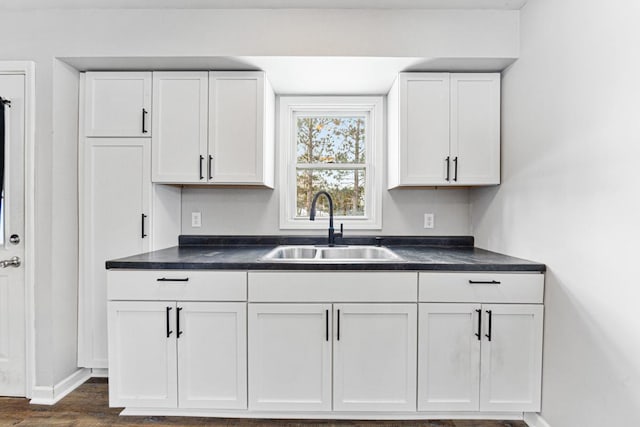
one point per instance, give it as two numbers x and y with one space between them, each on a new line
332 144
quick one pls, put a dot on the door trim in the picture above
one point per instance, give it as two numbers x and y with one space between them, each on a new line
27 69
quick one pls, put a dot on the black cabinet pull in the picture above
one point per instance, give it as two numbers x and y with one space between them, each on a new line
447 159
484 282
489 334
178 322
168 279
210 166
479 333
169 331
326 326
144 117
455 168
201 159
142 226
338 334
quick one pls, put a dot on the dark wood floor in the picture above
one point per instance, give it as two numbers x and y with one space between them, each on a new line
88 407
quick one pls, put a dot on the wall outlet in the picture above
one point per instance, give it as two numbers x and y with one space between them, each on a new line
429 220
196 219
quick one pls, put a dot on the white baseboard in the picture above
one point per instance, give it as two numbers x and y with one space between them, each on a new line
100 372
243 413
533 419
45 395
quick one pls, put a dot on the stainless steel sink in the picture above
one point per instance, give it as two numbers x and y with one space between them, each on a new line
336 254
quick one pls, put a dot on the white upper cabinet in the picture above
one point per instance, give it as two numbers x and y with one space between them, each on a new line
118 104
444 129
241 125
475 128
213 128
180 114
419 129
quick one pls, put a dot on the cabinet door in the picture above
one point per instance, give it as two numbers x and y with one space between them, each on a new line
236 127
511 369
118 104
449 357
180 109
212 355
475 128
375 357
424 128
290 357
142 354
115 195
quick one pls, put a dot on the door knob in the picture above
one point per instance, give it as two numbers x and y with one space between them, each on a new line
11 262
15 239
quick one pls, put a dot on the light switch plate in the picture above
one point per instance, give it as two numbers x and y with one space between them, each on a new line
196 219
429 220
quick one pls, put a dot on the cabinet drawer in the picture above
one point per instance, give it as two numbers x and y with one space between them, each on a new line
322 286
481 287
176 285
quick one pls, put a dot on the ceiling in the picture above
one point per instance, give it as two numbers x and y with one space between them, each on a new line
262 4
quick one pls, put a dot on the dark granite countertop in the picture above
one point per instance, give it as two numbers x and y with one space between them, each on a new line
244 253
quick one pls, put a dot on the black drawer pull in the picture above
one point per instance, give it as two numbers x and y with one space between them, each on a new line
489 334
338 334
143 234
448 160
167 279
144 116
484 282
479 333
169 331
326 326
178 322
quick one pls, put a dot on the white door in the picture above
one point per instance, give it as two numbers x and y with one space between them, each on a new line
143 369
424 128
236 120
475 128
212 355
180 114
374 355
290 357
118 104
12 298
115 223
511 369
449 357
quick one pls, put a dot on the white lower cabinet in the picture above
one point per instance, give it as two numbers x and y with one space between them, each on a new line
290 357
373 348
479 357
142 357
374 357
164 354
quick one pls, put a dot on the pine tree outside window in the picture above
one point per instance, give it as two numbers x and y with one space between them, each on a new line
332 144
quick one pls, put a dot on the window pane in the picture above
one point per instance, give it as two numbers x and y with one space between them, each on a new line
327 139
345 186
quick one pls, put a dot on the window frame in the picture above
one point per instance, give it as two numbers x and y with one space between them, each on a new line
293 106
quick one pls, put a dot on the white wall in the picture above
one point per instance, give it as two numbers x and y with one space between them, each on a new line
255 211
571 198
42 36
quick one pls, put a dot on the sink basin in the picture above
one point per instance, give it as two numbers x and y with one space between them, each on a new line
324 254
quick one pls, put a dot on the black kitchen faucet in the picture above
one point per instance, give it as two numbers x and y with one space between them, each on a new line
312 216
